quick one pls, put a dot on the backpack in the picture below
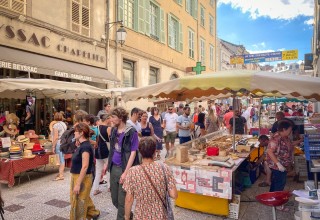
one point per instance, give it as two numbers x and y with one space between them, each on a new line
67 145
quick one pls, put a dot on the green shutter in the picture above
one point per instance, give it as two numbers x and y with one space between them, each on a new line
162 31
169 32
120 10
195 11
180 38
141 22
188 6
147 16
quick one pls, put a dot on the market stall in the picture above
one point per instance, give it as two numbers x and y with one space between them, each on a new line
214 194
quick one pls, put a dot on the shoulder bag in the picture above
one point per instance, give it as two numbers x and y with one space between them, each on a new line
167 202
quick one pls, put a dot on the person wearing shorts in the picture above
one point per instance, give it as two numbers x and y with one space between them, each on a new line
170 127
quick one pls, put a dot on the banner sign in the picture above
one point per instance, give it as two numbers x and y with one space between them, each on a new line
264 57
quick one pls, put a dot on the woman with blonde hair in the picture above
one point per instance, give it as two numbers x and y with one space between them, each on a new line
58 129
212 122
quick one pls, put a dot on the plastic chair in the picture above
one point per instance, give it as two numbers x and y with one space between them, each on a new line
274 199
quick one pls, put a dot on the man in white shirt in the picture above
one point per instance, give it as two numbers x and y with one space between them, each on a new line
184 125
134 119
170 127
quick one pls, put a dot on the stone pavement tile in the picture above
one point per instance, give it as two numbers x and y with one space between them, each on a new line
58 203
56 218
26 196
104 215
13 208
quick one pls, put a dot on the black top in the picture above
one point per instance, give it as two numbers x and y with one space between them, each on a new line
102 152
77 158
146 131
239 124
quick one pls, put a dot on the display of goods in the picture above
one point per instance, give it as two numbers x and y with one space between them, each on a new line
182 154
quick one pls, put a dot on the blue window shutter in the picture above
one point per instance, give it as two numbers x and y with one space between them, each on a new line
162 31
147 16
120 10
141 13
180 38
170 28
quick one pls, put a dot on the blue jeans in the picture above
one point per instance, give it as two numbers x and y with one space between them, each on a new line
61 155
278 180
184 139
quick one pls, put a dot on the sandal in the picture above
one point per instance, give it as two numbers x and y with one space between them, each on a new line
263 184
59 178
283 208
97 192
103 182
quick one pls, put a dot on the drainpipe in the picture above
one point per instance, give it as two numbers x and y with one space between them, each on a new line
107 33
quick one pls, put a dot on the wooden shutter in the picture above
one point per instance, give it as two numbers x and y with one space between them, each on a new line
4 3
141 20
180 46
120 11
18 6
75 16
147 16
195 7
85 18
162 31
170 28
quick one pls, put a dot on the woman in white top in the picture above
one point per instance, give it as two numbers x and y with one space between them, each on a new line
58 128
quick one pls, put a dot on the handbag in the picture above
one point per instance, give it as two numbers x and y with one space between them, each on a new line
167 203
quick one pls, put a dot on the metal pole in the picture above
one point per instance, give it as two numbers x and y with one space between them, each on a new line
234 123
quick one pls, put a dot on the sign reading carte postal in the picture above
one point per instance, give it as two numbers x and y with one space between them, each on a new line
204 182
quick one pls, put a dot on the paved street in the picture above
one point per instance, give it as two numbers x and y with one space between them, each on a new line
43 198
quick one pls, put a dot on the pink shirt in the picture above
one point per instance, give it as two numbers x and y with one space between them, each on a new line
226 119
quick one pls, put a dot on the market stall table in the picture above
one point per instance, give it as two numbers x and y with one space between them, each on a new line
9 168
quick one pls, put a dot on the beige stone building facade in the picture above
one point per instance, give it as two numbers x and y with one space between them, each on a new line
164 38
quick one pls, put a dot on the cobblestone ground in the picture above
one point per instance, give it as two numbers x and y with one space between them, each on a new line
42 198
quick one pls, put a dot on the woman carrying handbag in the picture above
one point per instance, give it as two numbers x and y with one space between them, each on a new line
151 184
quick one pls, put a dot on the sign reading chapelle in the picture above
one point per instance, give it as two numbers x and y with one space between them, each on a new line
32 39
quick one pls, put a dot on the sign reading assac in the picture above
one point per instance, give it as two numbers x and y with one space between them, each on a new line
44 41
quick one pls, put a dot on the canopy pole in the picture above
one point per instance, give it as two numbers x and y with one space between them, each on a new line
260 99
233 122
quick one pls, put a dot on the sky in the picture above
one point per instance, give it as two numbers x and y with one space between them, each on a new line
267 25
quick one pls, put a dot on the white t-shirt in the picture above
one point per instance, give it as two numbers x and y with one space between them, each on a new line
171 121
185 122
136 125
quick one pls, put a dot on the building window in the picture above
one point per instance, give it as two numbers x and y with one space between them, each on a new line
211 24
18 6
211 2
202 51
80 17
202 16
175 33
191 43
211 57
174 76
128 13
153 75
192 8
128 73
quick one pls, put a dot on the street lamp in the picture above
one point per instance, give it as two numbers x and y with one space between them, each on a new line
121 32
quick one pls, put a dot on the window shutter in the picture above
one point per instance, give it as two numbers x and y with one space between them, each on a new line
120 10
195 11
18 6
180 38
162 31
188 6
141 22
4 3
147 16
170 28
75 17
85 18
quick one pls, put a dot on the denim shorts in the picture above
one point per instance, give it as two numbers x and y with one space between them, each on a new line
61 155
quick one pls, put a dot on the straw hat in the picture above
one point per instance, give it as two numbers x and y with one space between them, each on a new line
29 146
15 148
28 154
42 137
10 129
23 139
12 118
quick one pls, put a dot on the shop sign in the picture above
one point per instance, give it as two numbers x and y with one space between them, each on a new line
44 41
72 76
19 67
